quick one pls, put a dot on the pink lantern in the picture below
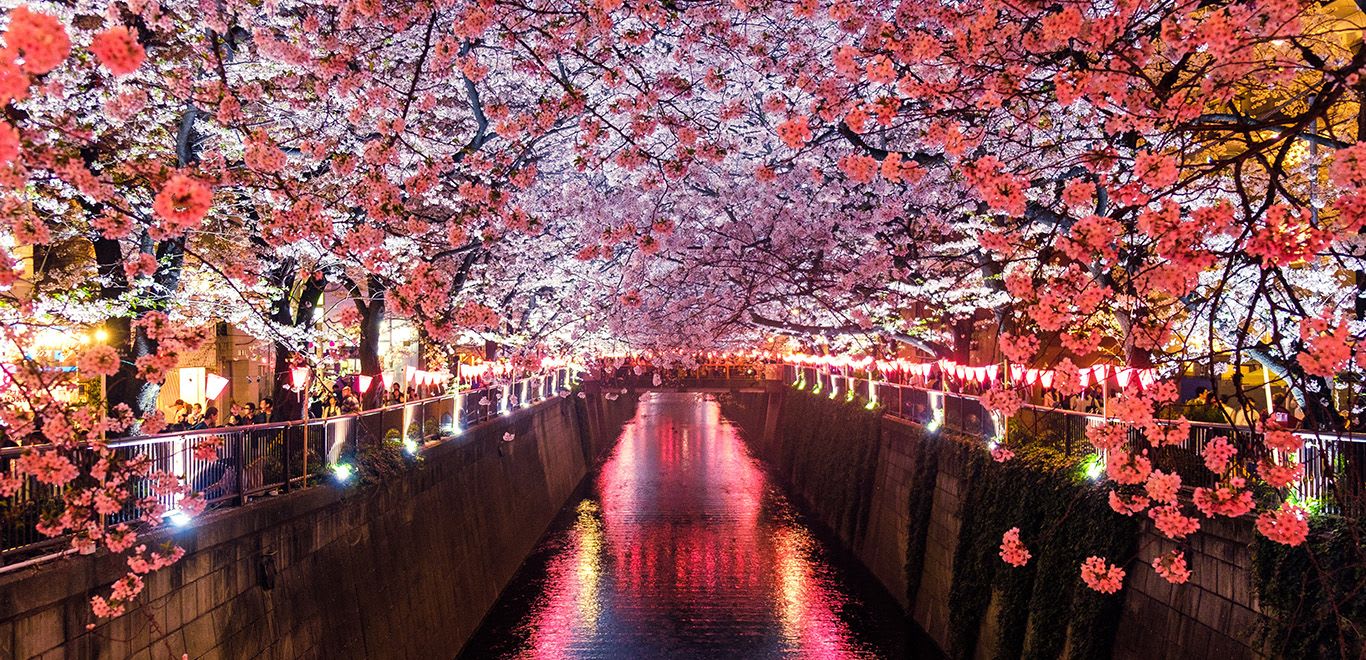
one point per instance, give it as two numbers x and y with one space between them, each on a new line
1017 372
1031 376
1123 376
1084 377
1101 371
993 372
298 376
1146 378
1046 378
213 386
363 383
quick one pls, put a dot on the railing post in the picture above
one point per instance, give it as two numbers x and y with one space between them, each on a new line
284 457
240 451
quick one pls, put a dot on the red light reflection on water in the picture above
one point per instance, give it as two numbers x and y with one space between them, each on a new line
686 549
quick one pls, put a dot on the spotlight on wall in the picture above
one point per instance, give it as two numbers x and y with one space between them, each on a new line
343 472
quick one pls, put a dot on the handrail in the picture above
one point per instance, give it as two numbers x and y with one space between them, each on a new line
117 443
1323 478
258 459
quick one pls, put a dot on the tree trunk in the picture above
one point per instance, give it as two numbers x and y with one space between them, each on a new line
371 324
126 387
287 403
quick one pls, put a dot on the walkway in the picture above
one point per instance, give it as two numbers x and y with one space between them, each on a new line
683 547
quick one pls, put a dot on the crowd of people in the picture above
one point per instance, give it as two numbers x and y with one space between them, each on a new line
340 399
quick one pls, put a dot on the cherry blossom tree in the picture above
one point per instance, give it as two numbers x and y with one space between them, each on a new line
1162 184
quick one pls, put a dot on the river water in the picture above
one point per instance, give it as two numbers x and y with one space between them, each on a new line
681 546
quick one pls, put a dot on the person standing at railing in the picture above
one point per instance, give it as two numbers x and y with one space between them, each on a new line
1236 414
263 414
348 402
246 413
329 407
208 421
1286 412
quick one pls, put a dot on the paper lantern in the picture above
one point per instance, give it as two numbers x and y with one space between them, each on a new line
1017 372
409 374
299 377
363 383
1123 376
993 372
387 379
1046 378
1084 377
1147 377
1100 371
213 386
1031 376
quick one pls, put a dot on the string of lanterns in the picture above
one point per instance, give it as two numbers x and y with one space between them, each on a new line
985 374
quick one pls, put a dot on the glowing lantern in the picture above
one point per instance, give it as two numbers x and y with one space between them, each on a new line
1046 378
1124 376
410 374
1146 378
213 386
363 383
298 376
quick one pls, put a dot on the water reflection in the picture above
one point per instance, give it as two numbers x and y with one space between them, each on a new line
683 548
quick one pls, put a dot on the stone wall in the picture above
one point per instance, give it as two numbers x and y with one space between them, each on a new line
403 569
1213 616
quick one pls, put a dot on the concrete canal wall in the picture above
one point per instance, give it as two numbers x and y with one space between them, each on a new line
897 499
401 569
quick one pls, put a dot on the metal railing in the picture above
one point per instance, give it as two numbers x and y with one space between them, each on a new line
707 376
261 459
1334 463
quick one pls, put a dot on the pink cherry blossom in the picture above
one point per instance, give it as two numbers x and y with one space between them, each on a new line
1289 525
1172 523
1218 452
1172 567
40 39
1101 576
118 50
1013 551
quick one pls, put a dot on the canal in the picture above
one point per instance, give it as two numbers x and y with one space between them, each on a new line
682 546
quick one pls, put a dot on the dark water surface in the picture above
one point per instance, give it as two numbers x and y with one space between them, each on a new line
683 547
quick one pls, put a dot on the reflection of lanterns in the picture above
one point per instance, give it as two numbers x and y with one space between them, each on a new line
363 383
298 376
213 386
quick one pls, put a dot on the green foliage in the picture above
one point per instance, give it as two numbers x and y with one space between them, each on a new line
380 462
828 450
1313 597
1062 520
925 449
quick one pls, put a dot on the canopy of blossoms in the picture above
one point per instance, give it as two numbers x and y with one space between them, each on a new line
1164 184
